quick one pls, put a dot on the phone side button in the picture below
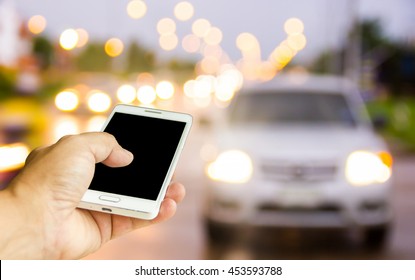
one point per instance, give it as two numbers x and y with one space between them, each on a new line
109 198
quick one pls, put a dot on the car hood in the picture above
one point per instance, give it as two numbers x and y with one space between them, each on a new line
299 141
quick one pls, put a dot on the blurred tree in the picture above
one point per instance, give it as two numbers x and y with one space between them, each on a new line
139 59
43 51
182 69
7 82
392 62
372 35
328 62
397 71
181 65
93 59
372 42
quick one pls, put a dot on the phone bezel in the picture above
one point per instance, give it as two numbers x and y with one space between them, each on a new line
134 206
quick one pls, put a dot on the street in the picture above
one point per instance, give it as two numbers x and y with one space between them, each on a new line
278 98
183 237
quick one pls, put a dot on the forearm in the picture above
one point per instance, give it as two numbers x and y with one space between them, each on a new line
19 235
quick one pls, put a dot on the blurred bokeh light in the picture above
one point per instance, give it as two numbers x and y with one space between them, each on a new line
95 123
65 125
83 37
69 39
168 41
191 43
146 95
165 90
293 26
114 47
99 101
37 24
13 156
200 27
67 100
183 11
213 36
126 94
136 9
166 26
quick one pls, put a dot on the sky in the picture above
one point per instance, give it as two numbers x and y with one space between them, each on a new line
325 21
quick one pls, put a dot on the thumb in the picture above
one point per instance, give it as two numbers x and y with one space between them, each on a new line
106 149
119 157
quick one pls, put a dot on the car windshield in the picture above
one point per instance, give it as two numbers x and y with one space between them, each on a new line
291 107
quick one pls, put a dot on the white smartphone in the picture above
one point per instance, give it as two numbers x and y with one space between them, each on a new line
156 139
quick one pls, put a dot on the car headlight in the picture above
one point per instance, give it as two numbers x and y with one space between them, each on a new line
231 167
365 168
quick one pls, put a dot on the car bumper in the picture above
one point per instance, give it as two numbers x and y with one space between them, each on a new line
327 205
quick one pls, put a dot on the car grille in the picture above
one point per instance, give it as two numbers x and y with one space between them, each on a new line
297 171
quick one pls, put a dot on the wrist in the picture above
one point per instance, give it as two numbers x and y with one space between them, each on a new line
20 238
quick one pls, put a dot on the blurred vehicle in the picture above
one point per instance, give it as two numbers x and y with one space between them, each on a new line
22 125
299 151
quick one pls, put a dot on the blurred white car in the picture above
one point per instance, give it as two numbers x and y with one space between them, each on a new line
299 152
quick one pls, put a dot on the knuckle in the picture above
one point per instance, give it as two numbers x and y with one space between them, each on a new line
71 140
66 138
33 154
110 136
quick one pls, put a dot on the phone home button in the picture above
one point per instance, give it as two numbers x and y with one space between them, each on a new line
109 198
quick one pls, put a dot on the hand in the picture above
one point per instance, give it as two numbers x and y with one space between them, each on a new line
40 219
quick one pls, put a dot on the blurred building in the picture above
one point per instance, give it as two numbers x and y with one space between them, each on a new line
13 43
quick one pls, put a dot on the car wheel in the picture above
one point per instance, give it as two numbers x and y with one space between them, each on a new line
376 237
224 241
218 233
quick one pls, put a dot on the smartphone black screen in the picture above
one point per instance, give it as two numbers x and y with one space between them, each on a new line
153 142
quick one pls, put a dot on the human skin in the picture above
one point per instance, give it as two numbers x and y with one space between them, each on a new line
38 214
